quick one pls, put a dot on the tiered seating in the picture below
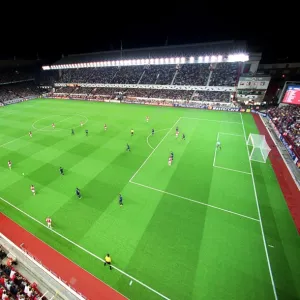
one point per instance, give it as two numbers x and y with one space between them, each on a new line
18 90
287 121
224 74
11 75
15 286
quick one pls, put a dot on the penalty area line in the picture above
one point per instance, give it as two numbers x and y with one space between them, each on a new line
151 134
154 150
85 250
194 201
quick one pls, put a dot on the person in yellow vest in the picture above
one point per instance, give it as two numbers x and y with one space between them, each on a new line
108 261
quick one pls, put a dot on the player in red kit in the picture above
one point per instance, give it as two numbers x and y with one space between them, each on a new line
170 161
9 164
177 133
49 222
32 190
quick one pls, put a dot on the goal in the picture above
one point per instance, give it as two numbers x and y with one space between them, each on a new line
260 148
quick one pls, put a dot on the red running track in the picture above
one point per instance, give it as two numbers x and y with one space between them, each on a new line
70 273
289 188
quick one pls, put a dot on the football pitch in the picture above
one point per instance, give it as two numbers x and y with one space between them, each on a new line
213 225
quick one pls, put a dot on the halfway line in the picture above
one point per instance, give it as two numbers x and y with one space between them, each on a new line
194 201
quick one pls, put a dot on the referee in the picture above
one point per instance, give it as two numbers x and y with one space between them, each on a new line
108 261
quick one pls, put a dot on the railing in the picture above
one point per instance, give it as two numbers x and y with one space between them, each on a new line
55 285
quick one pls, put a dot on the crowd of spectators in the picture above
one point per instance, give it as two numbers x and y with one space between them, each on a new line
117 93
12 75
17 91
219 74
13 285
287 121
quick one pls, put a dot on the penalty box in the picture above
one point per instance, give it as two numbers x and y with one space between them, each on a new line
192 177
232 155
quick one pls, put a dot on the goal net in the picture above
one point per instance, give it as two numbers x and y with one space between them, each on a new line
260 148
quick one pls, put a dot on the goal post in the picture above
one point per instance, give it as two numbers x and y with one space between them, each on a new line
260 148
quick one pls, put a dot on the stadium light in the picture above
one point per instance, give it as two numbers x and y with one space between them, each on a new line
219 58
200 59
177 60
45 67
172 61
156 61
161 61
182 60
213 58
151 61
167 60
192 59
206 59
147 61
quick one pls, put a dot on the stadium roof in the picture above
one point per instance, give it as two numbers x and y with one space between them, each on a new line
224 47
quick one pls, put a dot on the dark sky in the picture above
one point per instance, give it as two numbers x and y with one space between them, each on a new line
96 27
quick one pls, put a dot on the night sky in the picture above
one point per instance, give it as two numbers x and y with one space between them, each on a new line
51 32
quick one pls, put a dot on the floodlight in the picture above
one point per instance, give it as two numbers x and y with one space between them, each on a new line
156 61
200 59
182 60
151 61
219 58
146 61
167 60
192 59
161 61
213 58
206 58
172 60
177 60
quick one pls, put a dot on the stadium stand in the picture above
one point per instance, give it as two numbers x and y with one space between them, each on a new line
287 120
14 75
13 285
20 90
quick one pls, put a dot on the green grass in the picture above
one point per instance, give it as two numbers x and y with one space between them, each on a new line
175 232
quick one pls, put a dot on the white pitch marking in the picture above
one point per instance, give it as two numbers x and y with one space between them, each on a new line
232 134
130 283
211 120
259 215
151 134
233 170
38 130
215 150
153 150
85 250
194 201
271 246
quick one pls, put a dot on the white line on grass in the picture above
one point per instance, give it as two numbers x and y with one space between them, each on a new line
153 150
24 249
85 250
36 131
231 134
233 170
194 201
215 150
151 134
211 120
259 215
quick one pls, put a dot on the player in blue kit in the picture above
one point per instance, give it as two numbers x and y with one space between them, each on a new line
183 136
73 132
152 131
61 170
78 194
128 148
172 155
120 200
86 132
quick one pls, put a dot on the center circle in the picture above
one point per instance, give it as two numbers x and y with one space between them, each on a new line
45 124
